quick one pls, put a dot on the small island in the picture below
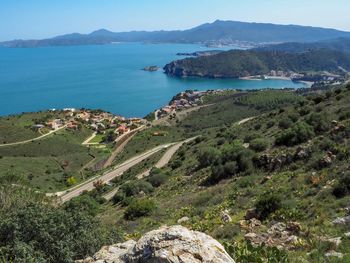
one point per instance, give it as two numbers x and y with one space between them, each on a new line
151 68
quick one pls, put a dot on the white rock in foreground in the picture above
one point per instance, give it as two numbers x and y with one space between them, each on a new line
174 244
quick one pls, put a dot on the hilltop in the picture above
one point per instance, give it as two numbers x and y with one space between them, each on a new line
212 34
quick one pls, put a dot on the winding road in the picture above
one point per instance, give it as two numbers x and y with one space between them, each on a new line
115 172
163 161
34 139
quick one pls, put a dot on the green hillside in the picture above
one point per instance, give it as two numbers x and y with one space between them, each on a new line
236 63
271 188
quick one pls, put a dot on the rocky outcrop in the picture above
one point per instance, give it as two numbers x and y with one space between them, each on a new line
166 245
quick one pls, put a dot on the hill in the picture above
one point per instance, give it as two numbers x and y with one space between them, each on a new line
267 176
339 44
216 33
235 63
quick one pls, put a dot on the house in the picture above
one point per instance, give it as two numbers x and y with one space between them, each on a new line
72 125
122 129
55 124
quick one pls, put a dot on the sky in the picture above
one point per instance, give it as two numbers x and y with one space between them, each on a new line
36 19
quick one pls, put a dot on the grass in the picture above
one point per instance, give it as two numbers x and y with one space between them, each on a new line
146 140
46 164
16 128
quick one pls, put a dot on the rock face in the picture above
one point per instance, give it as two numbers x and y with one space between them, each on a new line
174 244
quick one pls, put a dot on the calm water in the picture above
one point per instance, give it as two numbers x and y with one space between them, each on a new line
107 77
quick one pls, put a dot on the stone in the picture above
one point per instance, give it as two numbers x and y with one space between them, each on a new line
253 223
183 220
335 241
347 234
334 254
173 244
342 220
225 217
250 236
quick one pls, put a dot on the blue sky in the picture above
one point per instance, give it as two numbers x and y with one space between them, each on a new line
45 18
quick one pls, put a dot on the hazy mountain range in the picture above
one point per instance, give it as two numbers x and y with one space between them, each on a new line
218 32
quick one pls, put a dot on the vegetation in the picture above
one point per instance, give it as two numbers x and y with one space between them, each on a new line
287 166
238 63
33 230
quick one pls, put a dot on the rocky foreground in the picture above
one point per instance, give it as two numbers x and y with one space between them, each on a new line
173 244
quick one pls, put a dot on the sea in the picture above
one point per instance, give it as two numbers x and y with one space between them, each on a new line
108 77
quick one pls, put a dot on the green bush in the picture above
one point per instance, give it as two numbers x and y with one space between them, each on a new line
157 177
319 121
247 253
208 157
84 203
39 232
285 123
139 208
342 188
135 187
259 145
299 133
266 204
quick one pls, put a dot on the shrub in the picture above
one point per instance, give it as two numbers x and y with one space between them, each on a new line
251 136
135 187
157 179
342 188
348 86
299 133
285 123
266 204
304 111
176 164
208 157
270 124
139 208
118 197
84 203
319 121
259 145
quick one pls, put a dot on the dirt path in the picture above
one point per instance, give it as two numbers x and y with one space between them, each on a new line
34 139
115 172
121 143
161 163
245 120
86 142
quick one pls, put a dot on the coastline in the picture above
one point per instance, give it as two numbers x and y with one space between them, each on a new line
265 77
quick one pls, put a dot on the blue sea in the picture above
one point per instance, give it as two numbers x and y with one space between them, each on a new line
108 77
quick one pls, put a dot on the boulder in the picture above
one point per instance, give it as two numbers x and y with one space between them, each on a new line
225 217
166 245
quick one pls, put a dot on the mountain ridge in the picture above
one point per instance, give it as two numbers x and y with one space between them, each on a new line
218 32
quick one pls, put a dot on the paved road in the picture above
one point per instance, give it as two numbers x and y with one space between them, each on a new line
117 171
34 139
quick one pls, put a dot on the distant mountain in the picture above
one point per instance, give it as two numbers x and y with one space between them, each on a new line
238 63
219 32
339 44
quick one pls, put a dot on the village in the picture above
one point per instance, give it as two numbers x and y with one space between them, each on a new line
182 101
105 124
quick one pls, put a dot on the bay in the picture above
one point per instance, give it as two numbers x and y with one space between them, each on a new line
108 77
